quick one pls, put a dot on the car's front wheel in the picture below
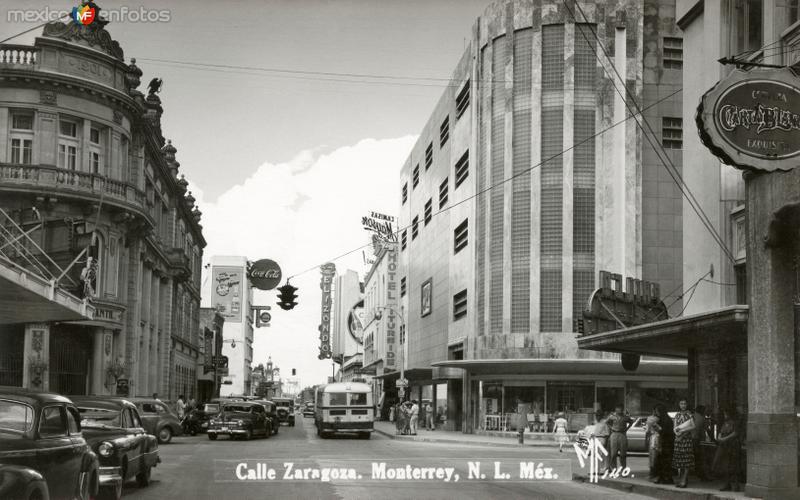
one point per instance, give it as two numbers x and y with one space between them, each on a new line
164 435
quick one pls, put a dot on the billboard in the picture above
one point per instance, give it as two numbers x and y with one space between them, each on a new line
328 271
229 289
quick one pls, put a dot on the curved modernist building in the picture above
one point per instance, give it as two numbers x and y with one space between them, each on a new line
529 178
87 173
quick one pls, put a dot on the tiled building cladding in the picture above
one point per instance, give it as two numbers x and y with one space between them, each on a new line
540 89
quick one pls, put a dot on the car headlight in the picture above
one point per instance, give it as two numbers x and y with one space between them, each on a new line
240 422
105 449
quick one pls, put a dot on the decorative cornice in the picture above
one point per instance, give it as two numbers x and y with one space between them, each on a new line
93 34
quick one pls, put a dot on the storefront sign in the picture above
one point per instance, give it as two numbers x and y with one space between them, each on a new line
751 119
227 295
264 274
328 271
392 323
382 228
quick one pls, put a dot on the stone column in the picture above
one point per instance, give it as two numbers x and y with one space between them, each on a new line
36 350
98 379
773 218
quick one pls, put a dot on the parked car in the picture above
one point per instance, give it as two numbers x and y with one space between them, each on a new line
241 418
285 410
211 409
157 418
308 410
115 431
272 414
43 450
636 435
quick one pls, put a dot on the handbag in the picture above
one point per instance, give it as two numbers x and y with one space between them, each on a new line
685 427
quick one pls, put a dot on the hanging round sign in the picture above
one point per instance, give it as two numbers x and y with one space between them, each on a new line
751 119
265 274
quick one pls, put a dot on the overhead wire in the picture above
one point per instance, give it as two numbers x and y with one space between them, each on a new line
31 29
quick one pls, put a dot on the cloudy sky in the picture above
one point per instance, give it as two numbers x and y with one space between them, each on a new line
283 163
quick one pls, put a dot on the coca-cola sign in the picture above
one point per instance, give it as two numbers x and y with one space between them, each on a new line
265 274
751 119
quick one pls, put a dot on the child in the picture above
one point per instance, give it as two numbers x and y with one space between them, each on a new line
652 430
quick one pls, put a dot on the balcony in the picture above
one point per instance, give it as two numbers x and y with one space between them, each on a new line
60 181
18 56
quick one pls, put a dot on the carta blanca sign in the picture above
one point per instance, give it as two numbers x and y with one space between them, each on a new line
751 119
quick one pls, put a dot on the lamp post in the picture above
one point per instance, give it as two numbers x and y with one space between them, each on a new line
402 337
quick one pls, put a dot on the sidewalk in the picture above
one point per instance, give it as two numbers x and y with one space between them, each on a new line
636 483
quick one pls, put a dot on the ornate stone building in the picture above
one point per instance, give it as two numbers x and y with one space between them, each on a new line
86 171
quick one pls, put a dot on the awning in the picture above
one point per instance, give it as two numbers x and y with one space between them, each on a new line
674 337
412 374
588 367
27 298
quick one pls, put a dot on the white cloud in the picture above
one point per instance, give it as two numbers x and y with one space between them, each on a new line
301 214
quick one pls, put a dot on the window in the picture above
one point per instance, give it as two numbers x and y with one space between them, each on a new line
793 11
415 177
403 286
94 136
21 138
405 193
460 236
429 156
67 128
415 228
672 133
462 169
443 192
96 142
68 144
67 156
462 100
459 305
673 53
15 416
148 408
428 211
403 240
747 26
358 398
444 131
337 399
740 275
52 423
22 121
72 421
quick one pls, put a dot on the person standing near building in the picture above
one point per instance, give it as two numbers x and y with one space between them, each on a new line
430 421
522 420
683 453
423 414
618 424
601 434
180 407
726 459
414 417
560 430
698 436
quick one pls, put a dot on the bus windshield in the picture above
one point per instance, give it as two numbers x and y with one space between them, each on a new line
347 398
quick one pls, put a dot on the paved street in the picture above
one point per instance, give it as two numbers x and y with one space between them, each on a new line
194 467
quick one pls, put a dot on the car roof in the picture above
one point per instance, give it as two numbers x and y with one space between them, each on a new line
143 400
31 397
240 403
104 402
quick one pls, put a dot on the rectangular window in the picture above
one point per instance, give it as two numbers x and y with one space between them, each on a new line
415 228
462 100
21 121
460 236
405 193
67 156
403 286
21 151
748 25
429 156
793 11
94 161
428 211
459 305
403 240
443 192
94 136
672 133
740 275
67 128
444 131
415 177
462 169
673 53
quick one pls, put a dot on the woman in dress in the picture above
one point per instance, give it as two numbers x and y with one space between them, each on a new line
560 430
663 466
726 459
683 454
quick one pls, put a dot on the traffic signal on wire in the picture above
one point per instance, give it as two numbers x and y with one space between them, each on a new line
287 296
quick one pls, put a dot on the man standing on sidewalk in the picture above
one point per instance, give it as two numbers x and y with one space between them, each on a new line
618 424
522 420
414 417
698 436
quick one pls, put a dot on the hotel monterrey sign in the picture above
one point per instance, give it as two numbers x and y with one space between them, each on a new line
751 119
328 271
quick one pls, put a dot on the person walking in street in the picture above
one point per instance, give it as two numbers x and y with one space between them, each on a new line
698 436
683 454
414 413
180 407
726 458
560 430
618 423
667 437
522 420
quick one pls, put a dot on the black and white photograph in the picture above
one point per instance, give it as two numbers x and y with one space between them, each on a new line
221 224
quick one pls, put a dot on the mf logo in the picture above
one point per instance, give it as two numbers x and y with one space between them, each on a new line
595 454
83 15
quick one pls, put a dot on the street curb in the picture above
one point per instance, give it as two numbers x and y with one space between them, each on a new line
481 443
654 491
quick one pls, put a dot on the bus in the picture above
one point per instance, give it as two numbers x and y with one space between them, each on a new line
344 407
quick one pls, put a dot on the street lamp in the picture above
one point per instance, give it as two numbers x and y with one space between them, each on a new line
378 316
232 341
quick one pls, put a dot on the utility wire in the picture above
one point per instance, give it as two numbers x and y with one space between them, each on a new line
660 152
31 29
489 188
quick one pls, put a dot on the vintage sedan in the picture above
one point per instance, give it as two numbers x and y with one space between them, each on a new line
272 414
157 418
243 419
43 451
115 431
285 410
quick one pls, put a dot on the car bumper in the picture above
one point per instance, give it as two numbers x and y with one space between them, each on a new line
346 426
229 432
110 476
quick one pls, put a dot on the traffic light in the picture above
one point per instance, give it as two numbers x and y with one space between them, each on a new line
287 296
294 372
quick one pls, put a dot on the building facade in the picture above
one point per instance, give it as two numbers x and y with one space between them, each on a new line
228 290
209 373
542 183
86 171
348 318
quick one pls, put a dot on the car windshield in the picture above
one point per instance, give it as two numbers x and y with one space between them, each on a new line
15 417
99 416
239 408
283 403
211 408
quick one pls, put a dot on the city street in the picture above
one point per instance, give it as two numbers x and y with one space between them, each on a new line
193 467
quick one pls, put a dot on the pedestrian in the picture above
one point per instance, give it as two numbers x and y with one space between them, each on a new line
522 420
726 458
423 414
155 396
698 436
683 454
430 418
560 430
391 413
653 440
406 410
667 437
601 433
618 423
414 414
180 407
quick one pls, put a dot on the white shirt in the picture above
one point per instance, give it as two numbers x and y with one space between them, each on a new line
181 407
